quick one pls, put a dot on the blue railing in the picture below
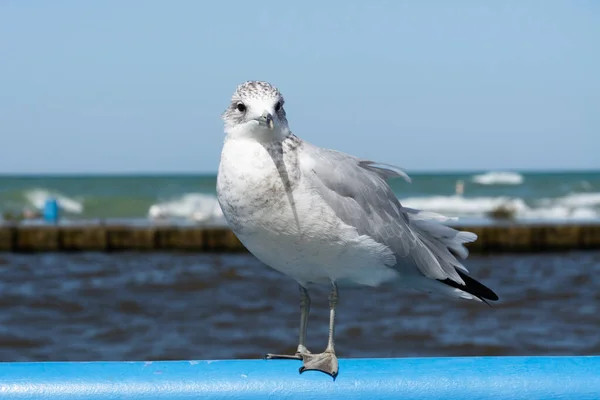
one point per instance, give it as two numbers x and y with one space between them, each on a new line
408 378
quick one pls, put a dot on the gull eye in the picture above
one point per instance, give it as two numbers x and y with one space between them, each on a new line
278 106
241 107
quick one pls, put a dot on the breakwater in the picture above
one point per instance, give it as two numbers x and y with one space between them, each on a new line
509 237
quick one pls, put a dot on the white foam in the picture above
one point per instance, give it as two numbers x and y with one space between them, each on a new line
198 207
498 178
581 206
38 197
571 206
560 213
580 200
461 206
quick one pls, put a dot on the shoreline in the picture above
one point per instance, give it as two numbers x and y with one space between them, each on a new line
504 237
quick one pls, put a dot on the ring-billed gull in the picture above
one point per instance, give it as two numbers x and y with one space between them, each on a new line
325 217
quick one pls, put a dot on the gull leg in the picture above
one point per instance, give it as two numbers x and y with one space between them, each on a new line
304 311
327 361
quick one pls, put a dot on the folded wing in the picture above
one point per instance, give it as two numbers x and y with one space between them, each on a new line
357 191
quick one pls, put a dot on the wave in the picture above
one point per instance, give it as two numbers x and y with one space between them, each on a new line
575 206
38 197
204 207
578 200
463 206
197 207
498 178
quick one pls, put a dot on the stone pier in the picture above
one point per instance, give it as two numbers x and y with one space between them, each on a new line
58 238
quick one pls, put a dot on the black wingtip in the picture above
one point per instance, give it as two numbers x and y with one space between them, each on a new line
473 287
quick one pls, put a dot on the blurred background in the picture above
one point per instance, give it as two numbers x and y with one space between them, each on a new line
113 110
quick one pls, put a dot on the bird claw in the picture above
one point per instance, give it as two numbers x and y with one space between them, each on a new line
271 356
300 353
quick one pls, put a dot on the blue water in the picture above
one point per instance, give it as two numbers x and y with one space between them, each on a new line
545 196
149 306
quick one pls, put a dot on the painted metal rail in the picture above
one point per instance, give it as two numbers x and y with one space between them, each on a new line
407 378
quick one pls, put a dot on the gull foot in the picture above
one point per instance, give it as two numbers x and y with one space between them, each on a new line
325 362
296 356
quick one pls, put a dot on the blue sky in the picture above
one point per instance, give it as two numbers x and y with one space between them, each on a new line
139 86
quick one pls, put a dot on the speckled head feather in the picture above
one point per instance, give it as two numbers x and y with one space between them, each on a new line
257 89
255 98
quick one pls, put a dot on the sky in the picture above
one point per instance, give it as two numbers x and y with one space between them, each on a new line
139 86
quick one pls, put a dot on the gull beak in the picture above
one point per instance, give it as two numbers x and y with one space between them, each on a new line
267 118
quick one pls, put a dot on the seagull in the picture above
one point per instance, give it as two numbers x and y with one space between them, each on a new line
323 217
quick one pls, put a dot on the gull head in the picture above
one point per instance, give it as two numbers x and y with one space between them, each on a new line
256 111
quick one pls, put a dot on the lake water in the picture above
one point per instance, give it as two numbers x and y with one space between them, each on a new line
556 196
140 306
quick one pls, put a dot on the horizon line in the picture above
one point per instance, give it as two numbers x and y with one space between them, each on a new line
213 173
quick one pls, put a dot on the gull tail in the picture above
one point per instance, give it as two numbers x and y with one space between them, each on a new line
472 287
446 245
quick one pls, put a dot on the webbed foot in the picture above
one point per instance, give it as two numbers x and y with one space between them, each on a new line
326 362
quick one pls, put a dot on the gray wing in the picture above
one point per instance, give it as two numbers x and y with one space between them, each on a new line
357 191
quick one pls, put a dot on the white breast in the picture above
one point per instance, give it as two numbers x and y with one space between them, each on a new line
289 228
